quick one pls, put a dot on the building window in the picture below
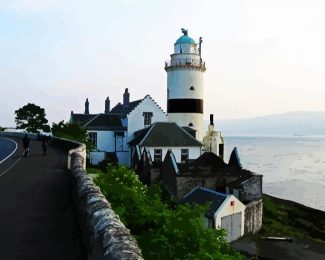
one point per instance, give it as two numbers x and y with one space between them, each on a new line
184 155
147 118
190 124
92 136
158 155
191 88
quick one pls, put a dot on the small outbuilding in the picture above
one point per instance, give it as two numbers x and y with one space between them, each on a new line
225 211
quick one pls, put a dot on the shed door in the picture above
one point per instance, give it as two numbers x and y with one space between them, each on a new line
232 224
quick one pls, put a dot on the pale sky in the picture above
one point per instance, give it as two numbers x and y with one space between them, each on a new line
262 57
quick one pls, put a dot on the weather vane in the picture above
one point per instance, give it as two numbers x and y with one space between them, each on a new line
184 31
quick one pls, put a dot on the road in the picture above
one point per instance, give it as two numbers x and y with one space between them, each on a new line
37 220
7 147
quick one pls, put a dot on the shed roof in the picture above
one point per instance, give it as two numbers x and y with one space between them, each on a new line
200 196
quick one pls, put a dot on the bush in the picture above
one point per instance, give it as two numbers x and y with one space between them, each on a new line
71 131
162 233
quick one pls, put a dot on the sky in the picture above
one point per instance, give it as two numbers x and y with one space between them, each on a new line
262 57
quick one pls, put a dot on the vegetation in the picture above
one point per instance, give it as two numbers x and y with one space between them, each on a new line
31 118
71 131
162 231
287 218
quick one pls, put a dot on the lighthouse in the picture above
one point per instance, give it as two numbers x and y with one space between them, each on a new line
185 84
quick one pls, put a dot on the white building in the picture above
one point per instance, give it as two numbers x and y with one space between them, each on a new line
185 84
162 137
110 131
225 211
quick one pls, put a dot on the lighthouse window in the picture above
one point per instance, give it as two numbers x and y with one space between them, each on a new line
192 88
147 118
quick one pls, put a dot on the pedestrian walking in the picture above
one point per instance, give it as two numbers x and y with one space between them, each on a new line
44 143
26 142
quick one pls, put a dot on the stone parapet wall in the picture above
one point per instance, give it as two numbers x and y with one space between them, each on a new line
253 217
104 235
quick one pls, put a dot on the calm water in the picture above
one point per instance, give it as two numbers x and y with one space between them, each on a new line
293 167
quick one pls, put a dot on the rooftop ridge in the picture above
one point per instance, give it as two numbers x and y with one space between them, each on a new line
155 103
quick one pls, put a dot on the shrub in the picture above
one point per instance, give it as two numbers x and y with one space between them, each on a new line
162 232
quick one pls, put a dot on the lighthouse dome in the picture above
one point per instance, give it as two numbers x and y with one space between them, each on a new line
185 39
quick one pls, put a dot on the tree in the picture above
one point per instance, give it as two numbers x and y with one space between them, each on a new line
71 131
31 118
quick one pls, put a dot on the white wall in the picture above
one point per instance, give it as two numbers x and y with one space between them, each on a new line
136 119
180 81
226 209
106 141
96 157
194 152
123 158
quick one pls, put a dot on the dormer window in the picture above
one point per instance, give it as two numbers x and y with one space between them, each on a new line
147 118
192 88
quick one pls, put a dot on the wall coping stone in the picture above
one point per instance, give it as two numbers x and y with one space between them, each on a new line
104 224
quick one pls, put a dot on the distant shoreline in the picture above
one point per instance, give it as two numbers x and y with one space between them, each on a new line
272 136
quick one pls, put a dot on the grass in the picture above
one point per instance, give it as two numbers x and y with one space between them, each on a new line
287 218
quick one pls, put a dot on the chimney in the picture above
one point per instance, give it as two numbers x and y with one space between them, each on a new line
107 104
87 107
126 98
211 119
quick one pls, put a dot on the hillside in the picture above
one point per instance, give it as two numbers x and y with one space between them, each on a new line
291 123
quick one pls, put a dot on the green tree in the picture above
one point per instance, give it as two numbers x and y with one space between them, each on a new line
31 118
162 232
71 131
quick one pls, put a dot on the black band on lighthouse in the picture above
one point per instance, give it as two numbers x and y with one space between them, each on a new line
185 106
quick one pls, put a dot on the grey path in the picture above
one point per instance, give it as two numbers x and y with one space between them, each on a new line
36 213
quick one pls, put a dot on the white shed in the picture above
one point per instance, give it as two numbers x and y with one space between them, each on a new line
225 212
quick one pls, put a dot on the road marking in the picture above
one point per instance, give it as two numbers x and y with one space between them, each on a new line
10 167
12 152
3 173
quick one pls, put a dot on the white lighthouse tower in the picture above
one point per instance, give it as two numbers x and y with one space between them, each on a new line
185 84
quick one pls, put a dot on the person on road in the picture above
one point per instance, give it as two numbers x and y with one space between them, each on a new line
44 143
26 142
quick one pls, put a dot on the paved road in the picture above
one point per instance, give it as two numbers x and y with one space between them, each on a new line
7 147
36 214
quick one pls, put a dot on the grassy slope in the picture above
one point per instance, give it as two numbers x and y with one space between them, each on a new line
287 218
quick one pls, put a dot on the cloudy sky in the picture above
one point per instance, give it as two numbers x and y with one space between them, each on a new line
262 56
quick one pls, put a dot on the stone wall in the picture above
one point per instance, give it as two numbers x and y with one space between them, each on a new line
186 183
103 234
253 217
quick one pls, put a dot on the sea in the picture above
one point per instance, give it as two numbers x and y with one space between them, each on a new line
293 167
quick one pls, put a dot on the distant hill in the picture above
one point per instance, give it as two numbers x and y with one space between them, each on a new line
291 123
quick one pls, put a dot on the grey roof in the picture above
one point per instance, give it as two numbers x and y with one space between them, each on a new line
105 122
209 159
201 196
81 118
164 134
241 177
124 110
190 130
234 160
